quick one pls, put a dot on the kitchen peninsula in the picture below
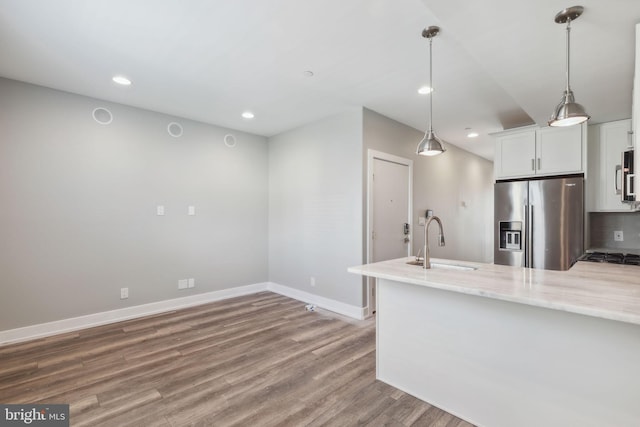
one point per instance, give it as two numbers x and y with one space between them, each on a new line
510 346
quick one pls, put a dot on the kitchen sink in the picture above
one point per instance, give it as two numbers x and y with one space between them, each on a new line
437 265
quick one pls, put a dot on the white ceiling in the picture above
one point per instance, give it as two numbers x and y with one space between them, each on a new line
497 63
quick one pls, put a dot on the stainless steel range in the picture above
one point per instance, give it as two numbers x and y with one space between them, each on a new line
611 257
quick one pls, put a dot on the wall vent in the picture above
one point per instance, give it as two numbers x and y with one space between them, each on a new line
175 129
230 140
102 116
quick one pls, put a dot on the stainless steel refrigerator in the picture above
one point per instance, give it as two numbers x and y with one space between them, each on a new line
539 223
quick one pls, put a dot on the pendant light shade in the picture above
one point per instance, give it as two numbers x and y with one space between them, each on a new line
430 145
568 112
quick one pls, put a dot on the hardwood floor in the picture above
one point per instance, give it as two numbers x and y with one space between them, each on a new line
259 360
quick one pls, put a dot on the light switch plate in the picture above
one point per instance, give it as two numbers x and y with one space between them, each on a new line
183 284
160 210
192 283
191 210
124 293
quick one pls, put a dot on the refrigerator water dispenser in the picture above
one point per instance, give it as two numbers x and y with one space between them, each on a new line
511 235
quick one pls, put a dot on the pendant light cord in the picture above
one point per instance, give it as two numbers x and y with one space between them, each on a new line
430 85
568 51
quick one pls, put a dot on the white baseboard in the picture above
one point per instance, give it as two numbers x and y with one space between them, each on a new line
75 323
348 310
82 322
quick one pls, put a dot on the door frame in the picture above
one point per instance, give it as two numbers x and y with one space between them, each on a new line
372 155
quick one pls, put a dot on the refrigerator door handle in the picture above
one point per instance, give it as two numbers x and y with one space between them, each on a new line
530 237
629 192
525 238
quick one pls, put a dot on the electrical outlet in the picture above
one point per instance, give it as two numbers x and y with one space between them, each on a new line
160 210
421 220
313 282
191 210
124 293
192 283
618 236
183 284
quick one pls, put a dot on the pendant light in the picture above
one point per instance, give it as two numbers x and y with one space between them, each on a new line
568 112
430 145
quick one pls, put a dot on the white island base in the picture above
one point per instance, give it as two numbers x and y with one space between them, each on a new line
498 363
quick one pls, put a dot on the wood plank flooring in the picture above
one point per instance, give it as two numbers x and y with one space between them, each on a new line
258 360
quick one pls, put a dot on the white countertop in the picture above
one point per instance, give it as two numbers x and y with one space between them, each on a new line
608 291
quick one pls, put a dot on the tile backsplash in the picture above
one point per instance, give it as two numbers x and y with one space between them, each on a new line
603 224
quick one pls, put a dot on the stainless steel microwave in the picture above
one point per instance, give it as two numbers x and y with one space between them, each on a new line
628 174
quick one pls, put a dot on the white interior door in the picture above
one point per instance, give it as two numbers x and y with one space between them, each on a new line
389 218
390 236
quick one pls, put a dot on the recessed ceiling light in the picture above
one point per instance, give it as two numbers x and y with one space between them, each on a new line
121 80
425 90
248 115
472 134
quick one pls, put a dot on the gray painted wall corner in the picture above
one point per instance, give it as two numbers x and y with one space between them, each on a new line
315 207
78 218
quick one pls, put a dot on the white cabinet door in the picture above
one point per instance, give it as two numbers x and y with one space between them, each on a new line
516 154
540 152
559 150
614 139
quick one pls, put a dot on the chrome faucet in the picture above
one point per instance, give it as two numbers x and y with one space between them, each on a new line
427 258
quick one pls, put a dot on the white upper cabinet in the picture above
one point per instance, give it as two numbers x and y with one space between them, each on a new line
515 154
532 151
607 141
559 150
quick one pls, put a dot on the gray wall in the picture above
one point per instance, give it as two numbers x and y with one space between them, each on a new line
456 185
78 207
315 207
